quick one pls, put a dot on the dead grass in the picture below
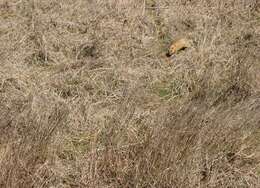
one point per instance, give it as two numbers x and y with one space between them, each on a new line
89 99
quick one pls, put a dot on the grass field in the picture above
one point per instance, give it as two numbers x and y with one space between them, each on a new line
88 97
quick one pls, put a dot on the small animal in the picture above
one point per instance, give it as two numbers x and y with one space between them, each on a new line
178 45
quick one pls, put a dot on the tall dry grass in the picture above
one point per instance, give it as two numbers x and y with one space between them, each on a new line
89 99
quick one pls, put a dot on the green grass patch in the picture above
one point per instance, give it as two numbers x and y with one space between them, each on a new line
167 90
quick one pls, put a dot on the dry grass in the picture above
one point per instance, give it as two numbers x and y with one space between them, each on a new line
89 99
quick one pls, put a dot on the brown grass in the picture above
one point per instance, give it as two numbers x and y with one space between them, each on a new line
89 99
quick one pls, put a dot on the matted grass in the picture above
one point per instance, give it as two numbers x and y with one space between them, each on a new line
88 97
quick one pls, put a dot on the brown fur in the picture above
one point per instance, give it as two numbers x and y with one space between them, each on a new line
178 45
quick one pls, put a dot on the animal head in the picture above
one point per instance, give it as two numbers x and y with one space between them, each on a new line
172 50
